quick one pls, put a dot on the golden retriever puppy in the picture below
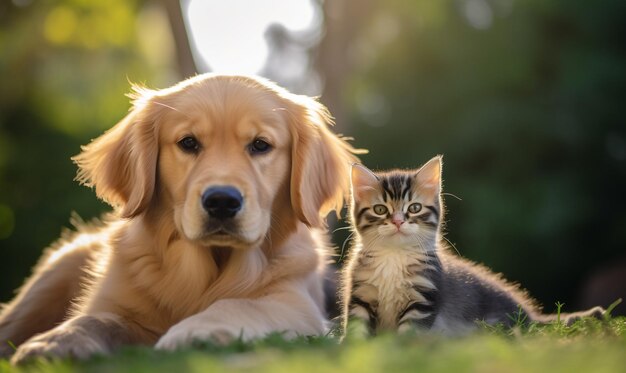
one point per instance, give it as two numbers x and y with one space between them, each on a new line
220 186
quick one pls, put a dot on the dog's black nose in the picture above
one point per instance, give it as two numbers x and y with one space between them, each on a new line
222 202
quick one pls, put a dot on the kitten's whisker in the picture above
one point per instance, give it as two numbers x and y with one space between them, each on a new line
453 245
422 243
343 246
342 228
451 195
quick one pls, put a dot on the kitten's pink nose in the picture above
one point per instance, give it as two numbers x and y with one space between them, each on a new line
397 219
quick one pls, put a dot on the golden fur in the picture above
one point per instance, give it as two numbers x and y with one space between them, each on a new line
151 273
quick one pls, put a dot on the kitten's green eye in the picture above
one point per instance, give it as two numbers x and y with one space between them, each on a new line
414 208
380 209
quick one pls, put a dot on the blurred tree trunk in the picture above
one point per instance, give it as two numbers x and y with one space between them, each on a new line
344 21
184 55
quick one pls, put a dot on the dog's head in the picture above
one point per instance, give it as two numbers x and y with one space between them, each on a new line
228 156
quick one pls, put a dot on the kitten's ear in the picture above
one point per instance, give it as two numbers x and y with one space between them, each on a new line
429 175
362 180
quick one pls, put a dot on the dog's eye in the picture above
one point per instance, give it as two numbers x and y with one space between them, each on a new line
189 144
259 146
415 208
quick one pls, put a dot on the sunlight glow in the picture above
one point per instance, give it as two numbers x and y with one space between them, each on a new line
230 35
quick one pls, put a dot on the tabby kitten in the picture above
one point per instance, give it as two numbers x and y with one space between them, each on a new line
400 277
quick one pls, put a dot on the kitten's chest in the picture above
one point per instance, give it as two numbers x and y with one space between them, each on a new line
387 278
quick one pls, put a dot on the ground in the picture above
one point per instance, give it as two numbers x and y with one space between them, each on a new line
587 346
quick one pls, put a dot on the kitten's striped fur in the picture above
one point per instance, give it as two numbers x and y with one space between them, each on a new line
400 277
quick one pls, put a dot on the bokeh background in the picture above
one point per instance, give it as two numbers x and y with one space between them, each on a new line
525 99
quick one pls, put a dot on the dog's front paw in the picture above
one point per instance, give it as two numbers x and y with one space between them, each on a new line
187 332
58 343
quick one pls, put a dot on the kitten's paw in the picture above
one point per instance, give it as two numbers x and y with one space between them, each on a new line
407 328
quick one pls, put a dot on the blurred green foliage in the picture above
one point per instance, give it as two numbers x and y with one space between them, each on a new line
525 99
65 67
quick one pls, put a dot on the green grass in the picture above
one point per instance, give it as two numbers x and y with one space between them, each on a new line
587 346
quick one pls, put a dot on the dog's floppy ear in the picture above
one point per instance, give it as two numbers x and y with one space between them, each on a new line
321 160
121 163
